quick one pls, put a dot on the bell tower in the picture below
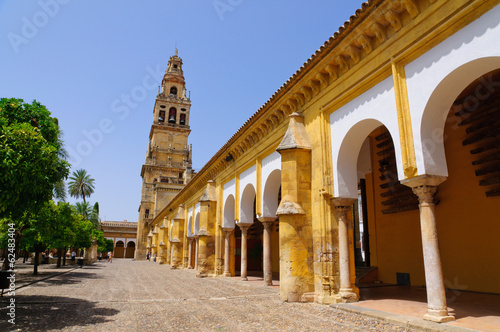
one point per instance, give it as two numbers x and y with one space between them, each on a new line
168 165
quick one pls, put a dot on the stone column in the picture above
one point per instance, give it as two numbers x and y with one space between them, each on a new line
425 187
244 252
206 232
227 252
295 214
190 260
197 244
342 206
266 243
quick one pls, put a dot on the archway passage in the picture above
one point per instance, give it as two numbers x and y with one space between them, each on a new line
386 230
130 251
119 249
255 249
467 217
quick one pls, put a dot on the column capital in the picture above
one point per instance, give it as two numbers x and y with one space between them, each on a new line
424 186
424 180
342 206
267 219
228 231
342 202
244 227
268 224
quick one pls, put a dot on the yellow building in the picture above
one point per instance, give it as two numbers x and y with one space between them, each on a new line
124 236
379 155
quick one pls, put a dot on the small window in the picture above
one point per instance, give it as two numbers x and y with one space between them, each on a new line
175 66
162 106
164 180
173 91
183 110
180 175
147 211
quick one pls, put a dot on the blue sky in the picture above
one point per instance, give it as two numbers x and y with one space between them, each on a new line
96 65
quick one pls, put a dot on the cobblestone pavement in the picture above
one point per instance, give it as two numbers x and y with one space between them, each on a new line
131 295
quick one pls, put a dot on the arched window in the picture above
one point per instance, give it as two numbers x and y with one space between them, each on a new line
161 118
172 114
182 119
173 91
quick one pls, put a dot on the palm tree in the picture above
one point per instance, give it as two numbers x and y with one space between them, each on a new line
81 184
84 209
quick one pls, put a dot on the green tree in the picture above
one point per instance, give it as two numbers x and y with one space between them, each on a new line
31 157
94 216
81 184
83 209
84 233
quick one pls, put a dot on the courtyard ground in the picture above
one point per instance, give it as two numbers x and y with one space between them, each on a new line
129 295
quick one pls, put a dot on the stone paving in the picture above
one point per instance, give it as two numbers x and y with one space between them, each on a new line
131 295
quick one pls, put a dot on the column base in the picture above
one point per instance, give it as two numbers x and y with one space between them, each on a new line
438 315
227 274
244 279
348 296
190 267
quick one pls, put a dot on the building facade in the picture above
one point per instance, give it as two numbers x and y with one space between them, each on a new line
168 165
377 159
123 234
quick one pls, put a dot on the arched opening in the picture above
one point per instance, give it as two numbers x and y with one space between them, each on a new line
254 234
270 202
467 217
247 205
130 251
190 227
172 115
119 249
271 190
182 119
173 91
197 224
161 117
228 221
385 240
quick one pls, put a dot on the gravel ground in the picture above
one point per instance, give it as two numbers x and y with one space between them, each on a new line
131 295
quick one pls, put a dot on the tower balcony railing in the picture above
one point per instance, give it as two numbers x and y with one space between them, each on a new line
172 125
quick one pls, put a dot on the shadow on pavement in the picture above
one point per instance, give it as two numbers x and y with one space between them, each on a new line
42 313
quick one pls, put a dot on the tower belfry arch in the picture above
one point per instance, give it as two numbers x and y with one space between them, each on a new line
168 165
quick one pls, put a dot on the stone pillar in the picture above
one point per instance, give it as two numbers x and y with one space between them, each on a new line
206 233
342 206
190 260
294 211
244 252
425 187
266 243
227 252
197 244
177 237
176 254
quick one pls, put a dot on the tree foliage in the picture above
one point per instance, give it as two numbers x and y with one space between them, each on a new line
31 157
81 184
94 216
